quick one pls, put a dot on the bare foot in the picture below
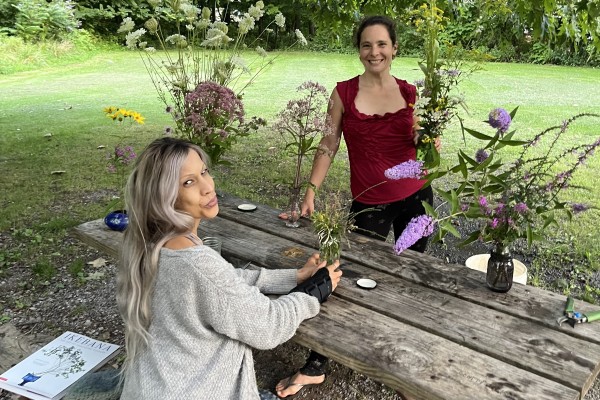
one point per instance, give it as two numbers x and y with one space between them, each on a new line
293 384
404 396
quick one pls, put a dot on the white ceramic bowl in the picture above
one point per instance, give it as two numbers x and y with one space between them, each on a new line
479 262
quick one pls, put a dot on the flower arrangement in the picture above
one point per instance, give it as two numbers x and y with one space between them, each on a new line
516 200
119 159
203 48
438 101
301 122
331 225
214 119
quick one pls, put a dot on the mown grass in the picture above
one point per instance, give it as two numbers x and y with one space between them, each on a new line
66 102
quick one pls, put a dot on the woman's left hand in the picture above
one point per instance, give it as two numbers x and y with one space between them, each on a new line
309 269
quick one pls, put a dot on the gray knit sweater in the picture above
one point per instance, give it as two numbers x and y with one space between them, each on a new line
207 316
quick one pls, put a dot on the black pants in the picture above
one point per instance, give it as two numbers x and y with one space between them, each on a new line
376 223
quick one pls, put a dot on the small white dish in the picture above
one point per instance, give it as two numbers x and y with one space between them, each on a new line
366 283
246 207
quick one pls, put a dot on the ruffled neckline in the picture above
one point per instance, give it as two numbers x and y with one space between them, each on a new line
355 111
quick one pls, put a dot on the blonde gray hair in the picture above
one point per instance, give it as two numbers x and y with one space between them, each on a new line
150 197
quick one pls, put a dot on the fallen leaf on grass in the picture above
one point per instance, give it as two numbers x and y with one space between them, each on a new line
57 172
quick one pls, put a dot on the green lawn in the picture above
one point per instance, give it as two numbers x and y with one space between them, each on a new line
67 102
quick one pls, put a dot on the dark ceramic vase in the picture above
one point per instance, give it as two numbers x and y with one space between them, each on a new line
500 269
117 220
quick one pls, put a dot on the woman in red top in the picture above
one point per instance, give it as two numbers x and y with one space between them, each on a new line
374 112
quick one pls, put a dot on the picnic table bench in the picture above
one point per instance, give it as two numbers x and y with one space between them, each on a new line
429 329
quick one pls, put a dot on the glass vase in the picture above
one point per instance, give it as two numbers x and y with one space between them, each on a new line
293 210
331 251
500 269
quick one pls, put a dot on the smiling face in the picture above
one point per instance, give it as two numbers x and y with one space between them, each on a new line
197 196
376 49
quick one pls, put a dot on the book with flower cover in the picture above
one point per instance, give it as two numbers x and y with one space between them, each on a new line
52 370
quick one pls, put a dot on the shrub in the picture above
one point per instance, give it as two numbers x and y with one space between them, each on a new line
38 20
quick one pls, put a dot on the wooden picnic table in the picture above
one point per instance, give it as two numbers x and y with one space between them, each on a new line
429 329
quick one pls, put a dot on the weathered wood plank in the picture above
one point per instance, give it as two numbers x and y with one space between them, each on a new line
523 343
521 301
97 235
416 362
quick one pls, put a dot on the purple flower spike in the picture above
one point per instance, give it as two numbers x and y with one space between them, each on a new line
481 156
521 208
408 169
417 228
483 201
500 119
579 207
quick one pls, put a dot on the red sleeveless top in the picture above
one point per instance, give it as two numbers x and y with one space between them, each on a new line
376 143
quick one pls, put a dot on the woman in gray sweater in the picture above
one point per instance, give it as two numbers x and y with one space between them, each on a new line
191 318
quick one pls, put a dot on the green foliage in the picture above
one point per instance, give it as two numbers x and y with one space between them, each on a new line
104 17
7 15
19 55
76 268
43 269
38 20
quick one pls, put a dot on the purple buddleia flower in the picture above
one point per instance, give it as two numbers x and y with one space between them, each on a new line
417 228
408 169
579 207
494 223
481 156
500 119
482 202
521 208
499 208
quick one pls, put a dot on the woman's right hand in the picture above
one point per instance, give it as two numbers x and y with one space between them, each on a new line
308 204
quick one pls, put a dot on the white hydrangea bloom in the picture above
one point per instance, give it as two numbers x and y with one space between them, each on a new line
255 12
246 24
178 40
126 26
280 20
240 63
132 38
214 38
261 52
222 26
202 24
191 12
300 37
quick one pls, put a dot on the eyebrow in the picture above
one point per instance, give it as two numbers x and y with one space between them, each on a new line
378 42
